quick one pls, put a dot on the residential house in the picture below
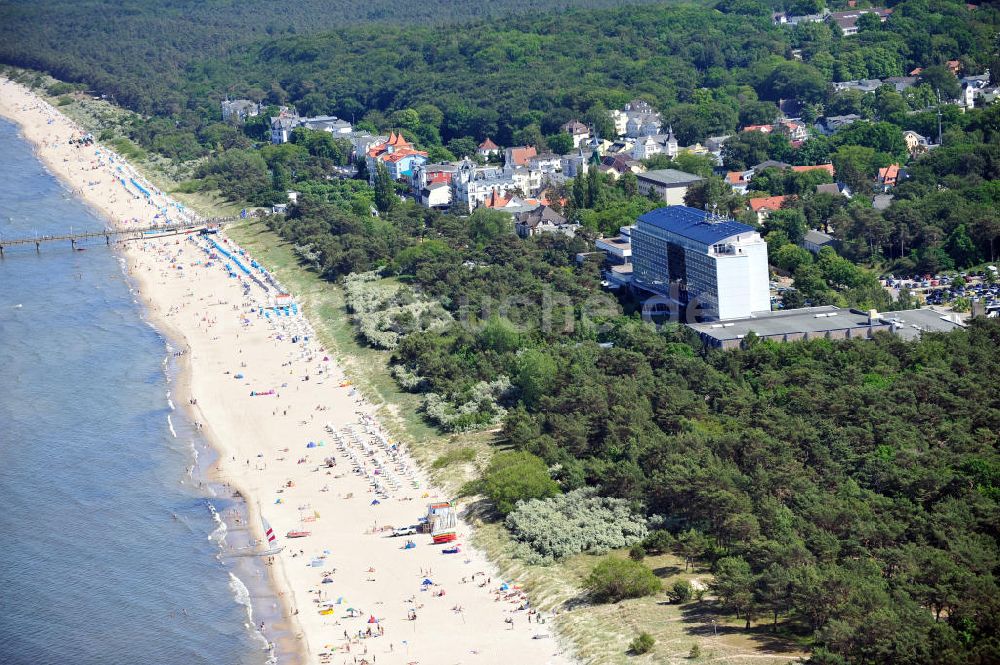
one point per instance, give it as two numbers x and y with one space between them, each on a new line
816 167
637 119
472 185
487 149
656 144
861 85
889 176
519 155
668 185
618 165
765 205
574 164
915 143
901 83
542 219
238 110
288 120
547 162
398 155
832 123
835 188
848 21
793 129
739 180
816 240
326 123
282 126
436 195
579 131
432 183
763 129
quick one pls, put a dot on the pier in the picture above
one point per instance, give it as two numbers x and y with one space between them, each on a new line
116 235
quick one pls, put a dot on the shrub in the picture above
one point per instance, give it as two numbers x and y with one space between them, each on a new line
643 643
637 553
615 579
680 592
475 408
695 652
578 521
517 476
658 542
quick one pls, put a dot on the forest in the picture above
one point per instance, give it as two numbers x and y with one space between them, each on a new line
846 491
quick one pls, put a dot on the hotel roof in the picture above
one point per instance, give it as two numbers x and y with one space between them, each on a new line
908 324
694 224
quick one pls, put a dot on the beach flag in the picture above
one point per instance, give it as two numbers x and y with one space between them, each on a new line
269 533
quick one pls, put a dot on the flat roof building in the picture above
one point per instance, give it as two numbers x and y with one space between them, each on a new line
669 185
714 265
825 322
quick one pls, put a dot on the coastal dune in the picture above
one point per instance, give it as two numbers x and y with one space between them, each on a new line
299 444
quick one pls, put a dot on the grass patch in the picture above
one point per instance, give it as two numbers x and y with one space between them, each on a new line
127 149
463 455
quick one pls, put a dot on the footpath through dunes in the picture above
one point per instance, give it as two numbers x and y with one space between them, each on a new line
303 448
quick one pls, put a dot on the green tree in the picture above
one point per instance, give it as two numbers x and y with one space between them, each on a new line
734 585
680 592
613 580
385 189
560 144
486 225
517 476
941 79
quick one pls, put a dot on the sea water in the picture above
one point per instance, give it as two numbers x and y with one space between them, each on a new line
110 541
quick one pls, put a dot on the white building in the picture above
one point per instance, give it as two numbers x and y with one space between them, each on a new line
669 185
238 110
473 184
284 124
657 144
718 265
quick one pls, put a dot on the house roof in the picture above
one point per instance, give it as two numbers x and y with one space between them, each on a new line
694 224
763 129
828 188
575 127
888 173
488 144
669 177
767 203
495 200
818 167
519 156
735 178
817 237
770 164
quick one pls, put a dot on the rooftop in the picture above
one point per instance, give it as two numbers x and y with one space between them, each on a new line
827 318
670 177
694 224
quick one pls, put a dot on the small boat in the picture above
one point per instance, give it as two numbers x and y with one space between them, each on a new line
451 550
298 534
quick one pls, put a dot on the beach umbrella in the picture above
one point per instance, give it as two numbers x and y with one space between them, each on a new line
504 587
427 581
372 619
310 445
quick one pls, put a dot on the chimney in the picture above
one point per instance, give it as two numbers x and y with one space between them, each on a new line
873 317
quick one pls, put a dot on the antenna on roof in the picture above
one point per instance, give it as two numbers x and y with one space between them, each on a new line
714 217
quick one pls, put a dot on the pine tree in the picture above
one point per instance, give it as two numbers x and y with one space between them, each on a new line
385 192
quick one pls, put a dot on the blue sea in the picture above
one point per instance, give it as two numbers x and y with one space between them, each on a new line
111 550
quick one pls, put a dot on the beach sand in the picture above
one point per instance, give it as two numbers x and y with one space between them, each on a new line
263 441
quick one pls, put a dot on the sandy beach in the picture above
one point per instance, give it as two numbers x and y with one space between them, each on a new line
299 443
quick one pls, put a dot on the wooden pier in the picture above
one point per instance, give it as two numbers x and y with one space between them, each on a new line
116 235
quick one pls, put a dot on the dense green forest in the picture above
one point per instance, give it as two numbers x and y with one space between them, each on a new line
845 490
137 51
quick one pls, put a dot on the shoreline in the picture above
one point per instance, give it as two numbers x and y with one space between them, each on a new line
286 646
227 328
179 391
